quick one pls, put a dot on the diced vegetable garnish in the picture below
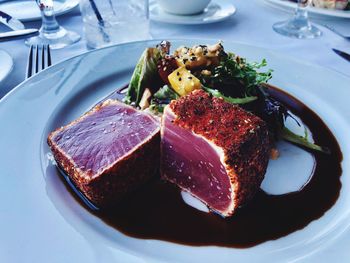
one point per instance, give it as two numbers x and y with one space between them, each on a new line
183 82
198 56
165 67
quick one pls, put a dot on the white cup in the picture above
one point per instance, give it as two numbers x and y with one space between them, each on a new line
183 7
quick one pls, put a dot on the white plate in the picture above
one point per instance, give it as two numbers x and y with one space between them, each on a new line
216 11
6 65
26 10
41 222
290 6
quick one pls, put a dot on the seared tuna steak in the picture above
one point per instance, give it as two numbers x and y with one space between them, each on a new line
109 151
216 151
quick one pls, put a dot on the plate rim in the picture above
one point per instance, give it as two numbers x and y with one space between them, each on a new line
281 55
70 5
153 5
289 6
155 40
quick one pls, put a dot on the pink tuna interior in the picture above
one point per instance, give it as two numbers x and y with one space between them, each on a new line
192 163
104 136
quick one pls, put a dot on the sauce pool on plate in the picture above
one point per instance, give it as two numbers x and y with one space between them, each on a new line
158 211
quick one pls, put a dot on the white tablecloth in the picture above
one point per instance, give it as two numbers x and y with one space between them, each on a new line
252 24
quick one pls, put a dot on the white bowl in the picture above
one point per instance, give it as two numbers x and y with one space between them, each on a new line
183 7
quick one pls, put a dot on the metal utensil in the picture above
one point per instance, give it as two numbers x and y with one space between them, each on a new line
344 55
12 35
336 32
37 58
10 21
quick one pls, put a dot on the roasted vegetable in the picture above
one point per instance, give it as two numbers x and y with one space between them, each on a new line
199 56
165 67
183 82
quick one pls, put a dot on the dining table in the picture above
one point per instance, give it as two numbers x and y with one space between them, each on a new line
251 24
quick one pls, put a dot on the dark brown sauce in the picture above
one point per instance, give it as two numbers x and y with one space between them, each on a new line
157 211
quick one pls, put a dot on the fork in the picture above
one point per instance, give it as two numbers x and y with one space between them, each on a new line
337 32
34 60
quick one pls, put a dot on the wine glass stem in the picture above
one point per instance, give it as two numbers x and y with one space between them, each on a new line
301 11
50 24
301 16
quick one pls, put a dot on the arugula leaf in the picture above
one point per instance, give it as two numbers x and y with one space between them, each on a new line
145 70
217 94
290 136
236 77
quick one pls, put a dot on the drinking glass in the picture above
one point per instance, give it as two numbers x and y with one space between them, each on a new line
299 25
51 33
108 22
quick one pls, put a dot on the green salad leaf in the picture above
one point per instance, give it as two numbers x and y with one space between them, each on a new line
166 93
217 94
162 98
236 77
144 71
290 136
